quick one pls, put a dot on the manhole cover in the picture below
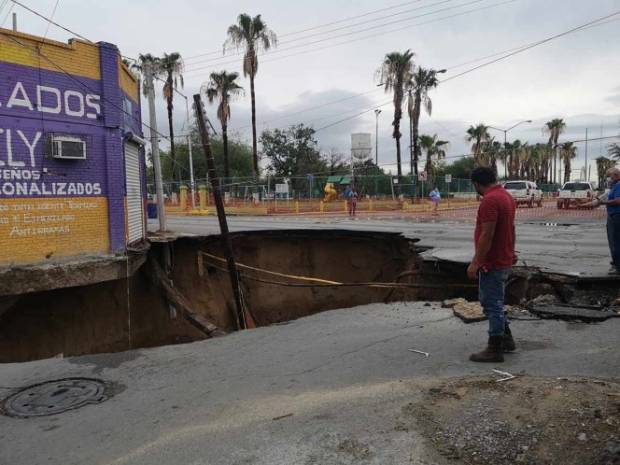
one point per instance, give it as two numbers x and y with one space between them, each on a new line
54 397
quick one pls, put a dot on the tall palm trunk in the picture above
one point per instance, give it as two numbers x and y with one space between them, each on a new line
175 170
567 169
254 144
398 114
411 168
225 144
415 131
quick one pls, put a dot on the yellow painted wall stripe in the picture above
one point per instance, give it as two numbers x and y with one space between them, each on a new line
76 57
128 82
36 229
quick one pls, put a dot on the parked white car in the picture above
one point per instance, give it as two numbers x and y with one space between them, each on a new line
524 192
573 193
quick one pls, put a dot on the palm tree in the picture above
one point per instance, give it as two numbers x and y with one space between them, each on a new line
493 152
555 127
568 151
433 148
138 66
525 157
479 135
170 68
539 161
418 86
614 151
222 86
395 72
254 36
514 163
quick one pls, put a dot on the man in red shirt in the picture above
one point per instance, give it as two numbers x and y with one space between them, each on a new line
495 255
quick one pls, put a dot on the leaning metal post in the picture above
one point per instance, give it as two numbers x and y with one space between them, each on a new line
239 317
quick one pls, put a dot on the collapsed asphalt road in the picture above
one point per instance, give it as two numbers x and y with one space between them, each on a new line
577 249
327 389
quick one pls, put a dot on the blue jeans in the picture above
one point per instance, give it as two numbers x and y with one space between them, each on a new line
613 237
491 289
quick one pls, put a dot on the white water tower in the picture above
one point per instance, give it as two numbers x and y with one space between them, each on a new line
361 146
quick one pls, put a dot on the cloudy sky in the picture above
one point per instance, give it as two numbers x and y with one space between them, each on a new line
329 51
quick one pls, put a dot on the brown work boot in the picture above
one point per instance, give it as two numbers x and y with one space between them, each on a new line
508 341
494 352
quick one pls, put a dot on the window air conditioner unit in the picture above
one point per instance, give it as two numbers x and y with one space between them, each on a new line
68 148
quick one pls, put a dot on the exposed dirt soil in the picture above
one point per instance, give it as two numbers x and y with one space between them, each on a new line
532 421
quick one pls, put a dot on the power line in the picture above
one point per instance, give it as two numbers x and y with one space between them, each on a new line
74 79
535 44
8 13
323 33
448 67
49 20
219 51
522 49
471 2
380 34
47 29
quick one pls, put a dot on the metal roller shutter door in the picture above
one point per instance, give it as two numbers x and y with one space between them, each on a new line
135 203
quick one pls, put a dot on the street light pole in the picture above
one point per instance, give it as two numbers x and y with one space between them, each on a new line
505 131
192 184
377 112
159 189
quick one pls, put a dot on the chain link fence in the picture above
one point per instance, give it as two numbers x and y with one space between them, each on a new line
327 188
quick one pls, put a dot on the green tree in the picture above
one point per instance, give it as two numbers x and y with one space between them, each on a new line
222 86
240 159
554 128
293 152
421 81
252 34
394 73
479 135
460 168
170 67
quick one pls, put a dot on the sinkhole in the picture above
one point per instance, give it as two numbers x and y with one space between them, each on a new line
182 293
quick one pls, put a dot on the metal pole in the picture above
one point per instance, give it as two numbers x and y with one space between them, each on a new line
159 188
505 155
15 22
377 111
192 183
586 167
239 318
191 158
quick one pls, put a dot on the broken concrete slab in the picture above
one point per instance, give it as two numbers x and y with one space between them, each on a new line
469 312
74 272
567 312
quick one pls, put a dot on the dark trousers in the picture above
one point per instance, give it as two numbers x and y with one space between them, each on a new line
613 237
491 293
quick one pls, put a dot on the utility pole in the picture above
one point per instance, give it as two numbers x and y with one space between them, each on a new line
240 317
377 112
159 188
191 159
191 171
587 175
